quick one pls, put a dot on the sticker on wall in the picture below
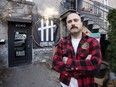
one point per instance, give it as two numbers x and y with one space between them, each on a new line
95 35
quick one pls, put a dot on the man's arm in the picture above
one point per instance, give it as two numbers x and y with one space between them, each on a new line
89 63
58 63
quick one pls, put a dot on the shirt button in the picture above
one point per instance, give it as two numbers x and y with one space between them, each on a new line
72 68
66 74
76 68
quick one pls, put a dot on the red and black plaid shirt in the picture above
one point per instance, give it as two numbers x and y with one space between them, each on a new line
77 65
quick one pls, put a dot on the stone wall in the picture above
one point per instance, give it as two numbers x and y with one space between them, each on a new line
3 47
50 8
42 54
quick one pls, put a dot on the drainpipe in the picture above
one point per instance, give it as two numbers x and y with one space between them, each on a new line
78 4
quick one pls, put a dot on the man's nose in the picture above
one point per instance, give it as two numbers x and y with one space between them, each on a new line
73 23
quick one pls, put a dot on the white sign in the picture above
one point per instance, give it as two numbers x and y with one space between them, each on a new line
95 35
20 53
47 29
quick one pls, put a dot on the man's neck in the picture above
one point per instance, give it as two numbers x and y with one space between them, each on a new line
77 36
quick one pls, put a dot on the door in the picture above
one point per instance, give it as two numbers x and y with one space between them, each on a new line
19 43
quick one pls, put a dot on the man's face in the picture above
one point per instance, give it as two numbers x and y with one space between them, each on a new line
74 24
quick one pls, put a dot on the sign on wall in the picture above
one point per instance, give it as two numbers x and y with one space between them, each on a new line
95 35
45 31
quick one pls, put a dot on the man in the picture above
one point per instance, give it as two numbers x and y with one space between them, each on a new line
77 55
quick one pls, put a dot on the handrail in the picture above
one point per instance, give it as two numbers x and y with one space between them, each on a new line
95 6
102 5
100 13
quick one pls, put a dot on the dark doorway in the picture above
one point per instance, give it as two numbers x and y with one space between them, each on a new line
104 44
19 42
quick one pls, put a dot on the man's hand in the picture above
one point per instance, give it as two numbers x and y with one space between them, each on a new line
65 59
89 57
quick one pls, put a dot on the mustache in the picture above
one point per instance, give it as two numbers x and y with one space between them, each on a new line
73 26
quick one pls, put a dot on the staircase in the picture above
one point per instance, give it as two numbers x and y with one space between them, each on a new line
92 15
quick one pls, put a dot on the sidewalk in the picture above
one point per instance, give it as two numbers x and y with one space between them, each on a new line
34 75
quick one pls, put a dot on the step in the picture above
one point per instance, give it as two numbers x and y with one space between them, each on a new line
82 15
96 26
86 19
102 31
90 22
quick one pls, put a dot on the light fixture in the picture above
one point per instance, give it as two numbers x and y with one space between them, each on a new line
9 14
49 12
29 15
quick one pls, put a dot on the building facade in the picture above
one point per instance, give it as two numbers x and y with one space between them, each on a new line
30 28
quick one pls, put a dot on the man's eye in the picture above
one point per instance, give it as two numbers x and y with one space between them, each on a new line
75 20
69 21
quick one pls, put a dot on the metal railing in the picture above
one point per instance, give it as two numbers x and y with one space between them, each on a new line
96 13
101 5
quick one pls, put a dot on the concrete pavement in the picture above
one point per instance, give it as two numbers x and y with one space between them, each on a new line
33 75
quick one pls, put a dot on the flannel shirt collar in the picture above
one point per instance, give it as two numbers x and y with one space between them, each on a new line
84 37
